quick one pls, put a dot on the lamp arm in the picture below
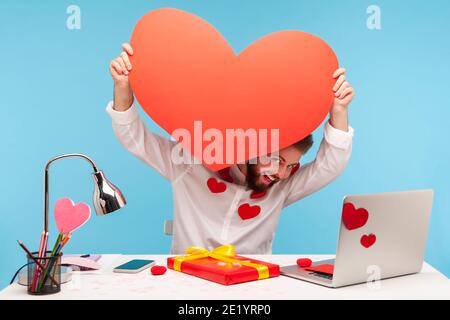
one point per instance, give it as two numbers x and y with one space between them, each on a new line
46 179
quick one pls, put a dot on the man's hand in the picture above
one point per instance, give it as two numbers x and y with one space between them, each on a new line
343 95
120 69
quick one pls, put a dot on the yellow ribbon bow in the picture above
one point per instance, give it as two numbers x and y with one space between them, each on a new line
223 253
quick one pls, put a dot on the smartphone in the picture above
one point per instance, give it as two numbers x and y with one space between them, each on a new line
134 266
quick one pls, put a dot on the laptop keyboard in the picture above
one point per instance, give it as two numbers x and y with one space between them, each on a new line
322 275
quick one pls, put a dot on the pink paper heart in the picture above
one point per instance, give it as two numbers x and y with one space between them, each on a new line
70 216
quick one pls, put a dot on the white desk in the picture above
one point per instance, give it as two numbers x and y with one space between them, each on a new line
104 284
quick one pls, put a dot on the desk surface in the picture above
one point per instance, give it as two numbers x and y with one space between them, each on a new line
104 284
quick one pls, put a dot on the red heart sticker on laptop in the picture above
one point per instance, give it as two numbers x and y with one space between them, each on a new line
368 240
185 71
354 218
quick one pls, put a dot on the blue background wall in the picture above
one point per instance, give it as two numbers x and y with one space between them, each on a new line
55 84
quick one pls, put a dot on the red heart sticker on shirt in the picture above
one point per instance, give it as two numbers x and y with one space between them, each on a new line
257 195
368 240
354 218
247 211
216 186
185 71
226 175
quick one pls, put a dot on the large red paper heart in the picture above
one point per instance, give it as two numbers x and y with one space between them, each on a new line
184 70
368 240
354 218
70 216
247 211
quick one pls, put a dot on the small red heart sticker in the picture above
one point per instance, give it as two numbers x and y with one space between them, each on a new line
368 240
257 195
225 175
216 186
247 211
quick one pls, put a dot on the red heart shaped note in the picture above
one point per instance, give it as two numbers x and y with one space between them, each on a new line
185 71
354 218
70 216
247 211
368 240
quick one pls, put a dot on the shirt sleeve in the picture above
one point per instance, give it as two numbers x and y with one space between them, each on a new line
154 150
332 158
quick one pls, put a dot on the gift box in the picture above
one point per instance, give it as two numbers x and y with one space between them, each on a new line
221 265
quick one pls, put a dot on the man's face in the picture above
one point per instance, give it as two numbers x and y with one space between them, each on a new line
273 168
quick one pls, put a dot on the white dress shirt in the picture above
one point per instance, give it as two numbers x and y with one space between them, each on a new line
233 214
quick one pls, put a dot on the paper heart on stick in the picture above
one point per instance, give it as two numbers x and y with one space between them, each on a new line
185 71
70 216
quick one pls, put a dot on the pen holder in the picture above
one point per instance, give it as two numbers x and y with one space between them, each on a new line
45 280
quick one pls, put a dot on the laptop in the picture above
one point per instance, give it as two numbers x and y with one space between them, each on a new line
381 236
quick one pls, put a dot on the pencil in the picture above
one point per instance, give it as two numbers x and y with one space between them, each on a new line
50 263
41 253
36 271
34 259
66 239
61 245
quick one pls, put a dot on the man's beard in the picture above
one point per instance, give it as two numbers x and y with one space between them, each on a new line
252 179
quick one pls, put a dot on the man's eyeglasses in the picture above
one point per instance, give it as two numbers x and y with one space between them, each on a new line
272 163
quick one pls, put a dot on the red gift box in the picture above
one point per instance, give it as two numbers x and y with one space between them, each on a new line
222 266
